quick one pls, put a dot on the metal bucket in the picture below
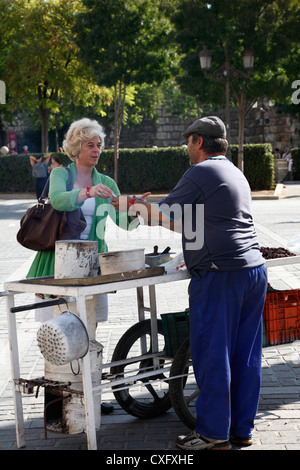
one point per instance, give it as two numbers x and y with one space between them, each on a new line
63 339
122 261
157 260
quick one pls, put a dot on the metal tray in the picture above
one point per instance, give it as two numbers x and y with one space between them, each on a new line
89 281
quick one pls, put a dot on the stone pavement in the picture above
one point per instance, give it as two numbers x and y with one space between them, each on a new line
277 425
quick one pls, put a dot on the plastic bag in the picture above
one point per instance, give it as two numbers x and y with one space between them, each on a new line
176 264
294 245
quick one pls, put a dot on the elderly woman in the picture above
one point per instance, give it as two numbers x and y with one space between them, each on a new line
83 144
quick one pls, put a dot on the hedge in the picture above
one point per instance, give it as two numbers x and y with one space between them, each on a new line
141 170
296 163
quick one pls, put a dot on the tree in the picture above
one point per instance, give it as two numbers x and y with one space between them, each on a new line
42 67
268 27
125 42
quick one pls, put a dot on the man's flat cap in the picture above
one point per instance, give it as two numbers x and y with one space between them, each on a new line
210 126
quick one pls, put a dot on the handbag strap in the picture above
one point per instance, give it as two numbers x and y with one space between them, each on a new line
42 196
70 180
69 184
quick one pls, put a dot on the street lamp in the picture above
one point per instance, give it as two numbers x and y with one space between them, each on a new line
205 58
248 59
227 73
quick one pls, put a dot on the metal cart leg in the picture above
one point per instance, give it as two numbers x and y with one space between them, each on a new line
87 385
140 303
15 370
153 314
153 318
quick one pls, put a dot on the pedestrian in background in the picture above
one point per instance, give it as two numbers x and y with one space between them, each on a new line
39 172
56 160
277 153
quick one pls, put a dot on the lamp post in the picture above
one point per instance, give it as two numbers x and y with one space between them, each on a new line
228 73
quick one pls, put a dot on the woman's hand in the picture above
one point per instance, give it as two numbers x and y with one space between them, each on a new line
121 203
99 190
102 191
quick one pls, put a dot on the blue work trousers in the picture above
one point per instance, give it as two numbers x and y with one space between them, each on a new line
226 345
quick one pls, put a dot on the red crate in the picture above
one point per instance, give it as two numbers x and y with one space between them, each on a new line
282 316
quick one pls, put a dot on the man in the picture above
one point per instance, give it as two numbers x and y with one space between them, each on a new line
227 290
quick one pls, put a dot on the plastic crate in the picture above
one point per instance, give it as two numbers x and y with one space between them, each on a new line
282 316
265 338
175 329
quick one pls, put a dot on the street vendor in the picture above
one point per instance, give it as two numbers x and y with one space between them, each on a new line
211 205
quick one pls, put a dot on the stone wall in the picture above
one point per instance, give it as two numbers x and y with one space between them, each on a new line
260 126
268 126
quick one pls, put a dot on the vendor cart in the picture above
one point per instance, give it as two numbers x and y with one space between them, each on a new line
139 361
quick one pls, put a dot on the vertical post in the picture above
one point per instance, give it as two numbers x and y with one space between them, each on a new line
141 314
15 370
241 140
241 114
227 94
87 384
140 303
154 330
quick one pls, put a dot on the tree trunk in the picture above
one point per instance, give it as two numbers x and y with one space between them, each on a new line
241 114
56 133
116 138
243 108
120 93
44 113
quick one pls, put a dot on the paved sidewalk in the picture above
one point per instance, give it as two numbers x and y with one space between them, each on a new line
277 425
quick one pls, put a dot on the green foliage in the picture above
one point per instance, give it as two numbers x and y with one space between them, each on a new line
160 169
125 40
296 163
43 73
151 169
258 165
269 27
141 170
16 174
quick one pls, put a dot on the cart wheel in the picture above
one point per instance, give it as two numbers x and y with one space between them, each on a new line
149 396
184 390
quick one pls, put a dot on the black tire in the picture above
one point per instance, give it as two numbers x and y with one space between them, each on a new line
152 399
183 390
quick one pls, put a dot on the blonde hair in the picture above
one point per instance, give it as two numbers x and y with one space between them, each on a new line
80 131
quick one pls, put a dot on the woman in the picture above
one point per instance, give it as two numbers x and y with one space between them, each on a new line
83 144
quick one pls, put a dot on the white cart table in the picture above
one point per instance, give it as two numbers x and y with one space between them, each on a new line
79 293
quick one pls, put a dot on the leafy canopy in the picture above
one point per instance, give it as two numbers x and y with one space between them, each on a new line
126 40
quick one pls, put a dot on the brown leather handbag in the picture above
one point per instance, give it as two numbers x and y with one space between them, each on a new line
42 225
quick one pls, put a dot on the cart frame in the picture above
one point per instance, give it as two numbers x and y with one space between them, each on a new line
79 293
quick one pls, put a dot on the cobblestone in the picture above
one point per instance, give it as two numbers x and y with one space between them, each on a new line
277 423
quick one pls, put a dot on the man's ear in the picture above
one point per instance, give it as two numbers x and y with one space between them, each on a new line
200 142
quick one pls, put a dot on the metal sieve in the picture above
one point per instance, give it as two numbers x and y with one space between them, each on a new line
63 339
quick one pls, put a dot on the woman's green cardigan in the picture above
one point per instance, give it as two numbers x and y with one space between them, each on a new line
63 200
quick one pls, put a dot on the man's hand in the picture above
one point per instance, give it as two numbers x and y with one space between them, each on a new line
122 203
